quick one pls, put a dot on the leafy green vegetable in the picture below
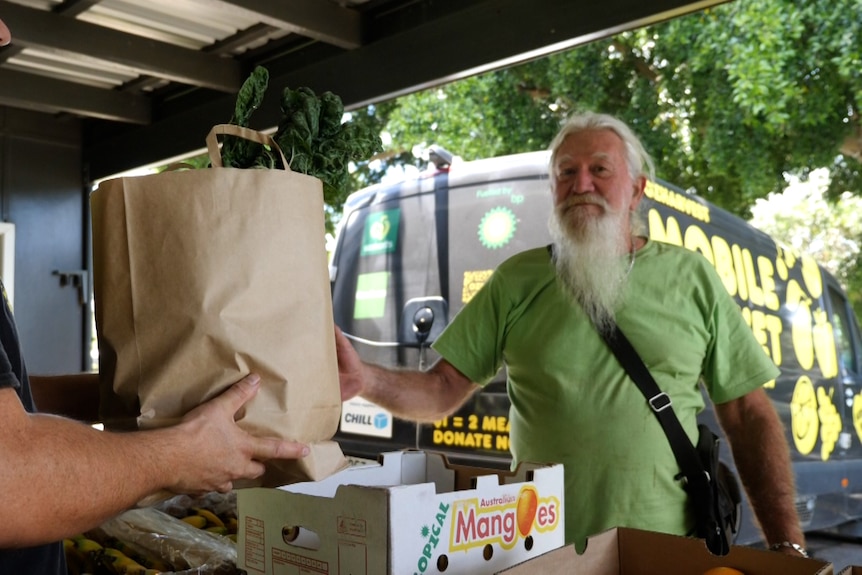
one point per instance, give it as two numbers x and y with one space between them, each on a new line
239 152
311 135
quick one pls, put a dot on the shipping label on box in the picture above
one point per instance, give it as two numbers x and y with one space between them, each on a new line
625 551
411 513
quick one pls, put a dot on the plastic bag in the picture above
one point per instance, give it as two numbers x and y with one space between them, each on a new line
191 551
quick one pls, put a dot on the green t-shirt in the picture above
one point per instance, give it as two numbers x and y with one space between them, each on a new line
572 402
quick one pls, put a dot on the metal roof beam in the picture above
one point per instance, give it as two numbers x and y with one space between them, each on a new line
71 8
317 19
43 94
48 31
428 43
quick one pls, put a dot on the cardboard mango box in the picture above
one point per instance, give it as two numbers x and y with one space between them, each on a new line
413 512
624 551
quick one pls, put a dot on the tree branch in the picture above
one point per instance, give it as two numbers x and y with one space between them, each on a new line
642 67
851 147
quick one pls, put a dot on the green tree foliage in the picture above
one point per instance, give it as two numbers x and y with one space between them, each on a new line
775 88
730 101
806 219
727 100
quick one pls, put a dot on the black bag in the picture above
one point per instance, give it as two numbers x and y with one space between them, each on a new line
719 515
711 485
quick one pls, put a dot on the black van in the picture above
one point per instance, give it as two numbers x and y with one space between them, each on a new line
409 255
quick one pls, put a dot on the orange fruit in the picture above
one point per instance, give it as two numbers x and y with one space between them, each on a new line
528 502
723 571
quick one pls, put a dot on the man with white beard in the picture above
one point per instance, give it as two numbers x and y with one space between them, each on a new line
586 252
571 400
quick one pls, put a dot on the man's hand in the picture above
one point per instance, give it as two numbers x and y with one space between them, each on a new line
104 473
349 367
219 451
414 395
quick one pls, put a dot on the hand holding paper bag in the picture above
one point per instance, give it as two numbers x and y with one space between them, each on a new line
204 276
216 452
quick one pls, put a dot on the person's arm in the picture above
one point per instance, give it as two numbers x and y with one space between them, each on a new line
60 477
762 457
75 396
415 395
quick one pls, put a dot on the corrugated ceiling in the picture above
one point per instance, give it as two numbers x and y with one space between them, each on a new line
147 77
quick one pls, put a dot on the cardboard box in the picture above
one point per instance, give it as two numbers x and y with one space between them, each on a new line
851 570
624 551
413 512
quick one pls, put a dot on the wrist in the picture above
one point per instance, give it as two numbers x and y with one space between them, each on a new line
790 548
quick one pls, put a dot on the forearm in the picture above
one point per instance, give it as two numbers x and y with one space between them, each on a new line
762 457
414 395
63 477
417 396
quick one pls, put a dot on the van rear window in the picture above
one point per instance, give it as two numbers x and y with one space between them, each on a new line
438 241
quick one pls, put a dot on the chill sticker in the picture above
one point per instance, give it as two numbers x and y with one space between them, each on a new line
381 233
371 295
497 227
365 418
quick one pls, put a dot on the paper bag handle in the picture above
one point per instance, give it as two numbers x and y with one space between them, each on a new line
240 132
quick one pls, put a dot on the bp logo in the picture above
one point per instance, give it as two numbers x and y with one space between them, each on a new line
497 227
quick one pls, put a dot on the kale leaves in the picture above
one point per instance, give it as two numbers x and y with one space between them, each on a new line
311 135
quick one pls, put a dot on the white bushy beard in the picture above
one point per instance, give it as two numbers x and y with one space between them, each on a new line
587 256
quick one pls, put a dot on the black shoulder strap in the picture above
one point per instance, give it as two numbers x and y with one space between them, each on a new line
660 403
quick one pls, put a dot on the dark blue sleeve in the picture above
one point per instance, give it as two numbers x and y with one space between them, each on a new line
7 375
12 371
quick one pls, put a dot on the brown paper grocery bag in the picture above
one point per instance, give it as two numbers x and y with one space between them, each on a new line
203 276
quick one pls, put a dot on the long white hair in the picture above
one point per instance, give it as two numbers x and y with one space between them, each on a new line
638 160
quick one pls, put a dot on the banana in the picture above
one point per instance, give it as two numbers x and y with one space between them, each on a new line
212 518
85 545
81 554
76 561
85 556
148 561
120 563
216 529
198 521
232 525
155 565
122 548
